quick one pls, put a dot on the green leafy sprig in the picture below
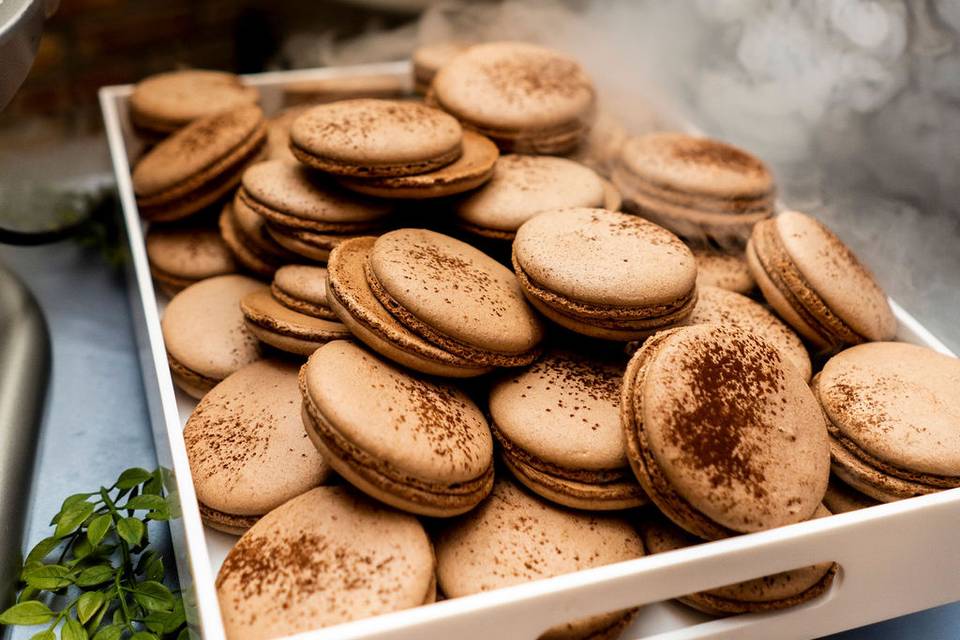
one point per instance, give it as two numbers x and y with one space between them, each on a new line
96 576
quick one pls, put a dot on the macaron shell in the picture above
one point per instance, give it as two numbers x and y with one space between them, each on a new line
621 260
456 290
377 137
428 430
167 101
736 434
303 288
278 134
285 328
429 58
898 402
203 328
564 410
306 244
357 307
842 498
724 270
247 448
295 190
524 185
188 253
193 149
719 306
244 248
836 275
514 86
685 163
326 557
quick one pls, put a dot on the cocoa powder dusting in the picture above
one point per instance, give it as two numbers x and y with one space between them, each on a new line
716 154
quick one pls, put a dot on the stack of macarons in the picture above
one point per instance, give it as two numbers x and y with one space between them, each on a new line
391 411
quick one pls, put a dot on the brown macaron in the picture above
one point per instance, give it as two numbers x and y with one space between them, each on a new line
893 412
303 288
697 187
283 328
428 58
558 425
605 274
842 498
165 102
768 593
813 280
199 164
719 306
724 437
473 168
454 296
375 138
416 444
326 557
515 537
523 186
182 255
357 307
205 335
247 448
728 271
524 97
245 233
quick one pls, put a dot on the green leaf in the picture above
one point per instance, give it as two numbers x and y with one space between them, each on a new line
145 503
131 530
42 549
72 630
155 568
143 635
28 593
88 604
47 634
184 635
109 632
97 574
153 596
132 477
27 613
94 624
70 501
49 577
81 549
72 517
98 528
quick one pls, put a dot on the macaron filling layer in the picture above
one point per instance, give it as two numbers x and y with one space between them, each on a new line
229 522
717 605
779 269
301 306
373 170
361 468
290 221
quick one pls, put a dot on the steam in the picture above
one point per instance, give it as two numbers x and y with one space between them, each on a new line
854 103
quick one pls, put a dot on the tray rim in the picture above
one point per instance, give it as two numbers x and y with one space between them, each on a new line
193 557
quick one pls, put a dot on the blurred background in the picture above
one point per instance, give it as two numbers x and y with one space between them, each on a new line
855 103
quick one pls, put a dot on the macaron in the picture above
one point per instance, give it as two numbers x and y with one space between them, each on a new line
842 498
605 274
291 196
416 444
205 335
182 255
515 537
454 296
162 103
768 593
303 288
893 413
719 306
724 437
728 271
816 283
307 245
428 58
523 186
524 97
245 233
247 448
375 138
199 164
350 297
326 557
558 425
283 328
697 187
473 168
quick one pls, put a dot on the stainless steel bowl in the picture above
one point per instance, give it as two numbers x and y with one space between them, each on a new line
21 23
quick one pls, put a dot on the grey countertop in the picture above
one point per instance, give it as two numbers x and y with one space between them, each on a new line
96 421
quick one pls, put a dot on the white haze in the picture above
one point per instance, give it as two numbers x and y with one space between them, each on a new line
855 103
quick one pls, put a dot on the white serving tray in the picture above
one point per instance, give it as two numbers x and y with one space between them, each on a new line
894 558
